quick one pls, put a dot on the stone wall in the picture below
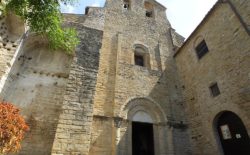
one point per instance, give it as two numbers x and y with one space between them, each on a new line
9 42
120 80
93 18
53 90
74 103
36 84
226 63
75 121
177 39
242 7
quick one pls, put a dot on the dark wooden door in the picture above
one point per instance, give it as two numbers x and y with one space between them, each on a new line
233 135
142 138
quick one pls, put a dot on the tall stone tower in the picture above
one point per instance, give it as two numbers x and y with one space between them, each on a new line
119 94
137 84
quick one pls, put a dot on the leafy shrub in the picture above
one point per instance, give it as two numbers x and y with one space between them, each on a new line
12 128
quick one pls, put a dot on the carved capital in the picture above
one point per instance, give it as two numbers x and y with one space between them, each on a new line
118 121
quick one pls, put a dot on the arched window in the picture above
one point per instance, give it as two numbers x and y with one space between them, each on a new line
149 9
141 56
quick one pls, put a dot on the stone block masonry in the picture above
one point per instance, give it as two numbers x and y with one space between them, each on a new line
73 104
36 84
75 121
226 63
124 72
54 91
8 46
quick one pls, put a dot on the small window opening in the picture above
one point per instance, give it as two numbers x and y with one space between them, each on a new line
86 10
141 56
201 49
149 9
139 61
149 13
215 91
126 4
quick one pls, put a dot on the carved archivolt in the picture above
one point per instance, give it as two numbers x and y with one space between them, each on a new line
146 106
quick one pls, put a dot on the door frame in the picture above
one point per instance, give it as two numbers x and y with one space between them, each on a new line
151 126
216 133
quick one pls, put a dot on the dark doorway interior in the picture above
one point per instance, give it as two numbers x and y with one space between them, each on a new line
142 138
233 135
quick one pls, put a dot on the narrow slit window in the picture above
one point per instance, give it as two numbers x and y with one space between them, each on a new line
215 91
201 49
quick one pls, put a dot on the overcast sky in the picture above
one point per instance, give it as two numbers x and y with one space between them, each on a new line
184 15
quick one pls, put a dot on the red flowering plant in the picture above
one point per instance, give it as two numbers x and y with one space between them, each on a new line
12 128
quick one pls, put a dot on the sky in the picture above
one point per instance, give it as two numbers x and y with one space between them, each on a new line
184 15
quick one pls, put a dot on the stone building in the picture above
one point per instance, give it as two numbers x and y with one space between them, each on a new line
131 88
214 69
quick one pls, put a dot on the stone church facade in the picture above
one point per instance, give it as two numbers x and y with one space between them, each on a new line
132 87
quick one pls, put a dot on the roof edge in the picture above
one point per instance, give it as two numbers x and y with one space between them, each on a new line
154 1
160 5
198 27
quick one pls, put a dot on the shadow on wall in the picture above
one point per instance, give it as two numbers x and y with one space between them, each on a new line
100 136
168 136
171 134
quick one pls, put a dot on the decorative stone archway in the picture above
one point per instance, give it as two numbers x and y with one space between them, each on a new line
144 110
146 105
142 116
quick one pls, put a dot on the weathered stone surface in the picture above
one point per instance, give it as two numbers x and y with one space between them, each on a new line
85 104
9 42
80 96
74 126
227 63
242 8
36 84
120 80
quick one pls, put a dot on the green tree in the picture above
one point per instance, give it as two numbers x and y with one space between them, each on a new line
44 18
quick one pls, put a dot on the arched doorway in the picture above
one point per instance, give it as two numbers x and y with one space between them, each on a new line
142 134
232 134
145 131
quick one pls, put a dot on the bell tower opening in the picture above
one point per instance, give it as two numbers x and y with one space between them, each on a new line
149 9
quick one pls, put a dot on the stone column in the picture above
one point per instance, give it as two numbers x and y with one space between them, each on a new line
118 123
170 144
